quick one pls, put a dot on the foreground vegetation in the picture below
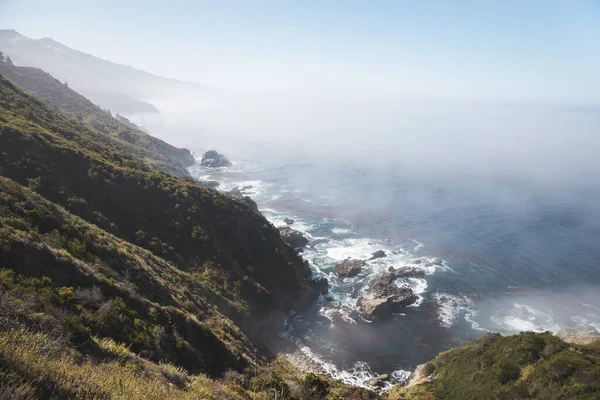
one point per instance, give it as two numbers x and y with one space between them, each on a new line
525 366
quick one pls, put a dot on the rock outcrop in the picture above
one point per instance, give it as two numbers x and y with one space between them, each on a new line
378 254
293 237
288 221
384 298
212 159
320 285
349 268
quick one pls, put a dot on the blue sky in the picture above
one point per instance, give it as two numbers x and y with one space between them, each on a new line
495 50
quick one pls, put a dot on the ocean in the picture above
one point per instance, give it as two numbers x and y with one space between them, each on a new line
503 255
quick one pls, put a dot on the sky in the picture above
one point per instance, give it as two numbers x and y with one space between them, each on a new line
540 51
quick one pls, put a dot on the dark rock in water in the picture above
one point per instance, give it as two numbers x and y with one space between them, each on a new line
349 268
384 298
235 192
248 187
320 284
212 159
288 221
435 261
378 254
385 303
209 184
293 237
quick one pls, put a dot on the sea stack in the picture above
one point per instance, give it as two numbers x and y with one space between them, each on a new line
213 159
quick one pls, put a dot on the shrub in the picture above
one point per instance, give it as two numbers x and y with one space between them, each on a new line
315 386
507 371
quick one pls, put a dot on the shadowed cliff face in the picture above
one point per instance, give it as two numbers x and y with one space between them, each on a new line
220 243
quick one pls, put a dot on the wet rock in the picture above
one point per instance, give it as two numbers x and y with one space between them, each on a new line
320 285
212 159
248 187
378 254
384 298
293 237
381 306
288 221
349 268
435 261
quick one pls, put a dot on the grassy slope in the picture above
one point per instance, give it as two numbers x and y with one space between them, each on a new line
129 137
199 230
525 366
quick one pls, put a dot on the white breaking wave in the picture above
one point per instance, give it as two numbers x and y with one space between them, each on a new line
324 253
522 317
334 315
450 307
341 231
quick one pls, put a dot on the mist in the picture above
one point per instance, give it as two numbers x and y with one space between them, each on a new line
546 143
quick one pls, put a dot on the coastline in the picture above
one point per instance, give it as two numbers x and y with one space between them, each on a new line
333 240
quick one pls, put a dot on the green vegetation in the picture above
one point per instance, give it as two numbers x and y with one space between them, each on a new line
124 134
525 366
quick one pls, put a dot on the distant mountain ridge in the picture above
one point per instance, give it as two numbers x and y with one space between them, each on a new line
120 88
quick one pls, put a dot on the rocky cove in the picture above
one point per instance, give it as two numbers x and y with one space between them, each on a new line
385 306
352 292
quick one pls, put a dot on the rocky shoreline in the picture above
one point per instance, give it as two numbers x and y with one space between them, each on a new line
381 296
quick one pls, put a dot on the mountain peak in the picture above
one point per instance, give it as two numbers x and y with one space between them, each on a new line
10 34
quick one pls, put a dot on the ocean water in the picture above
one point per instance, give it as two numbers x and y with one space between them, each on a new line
503 255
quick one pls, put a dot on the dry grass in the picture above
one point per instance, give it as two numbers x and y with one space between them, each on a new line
36 365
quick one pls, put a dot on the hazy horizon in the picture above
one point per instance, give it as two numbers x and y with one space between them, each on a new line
498 90
538 51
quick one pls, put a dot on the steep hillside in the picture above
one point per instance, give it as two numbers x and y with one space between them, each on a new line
118 281
156 152
117 87
198 229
